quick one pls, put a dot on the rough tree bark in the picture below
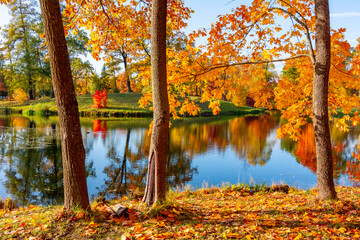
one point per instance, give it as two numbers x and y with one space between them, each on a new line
156 184
321 116
73 153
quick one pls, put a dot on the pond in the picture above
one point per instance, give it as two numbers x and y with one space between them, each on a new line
202 152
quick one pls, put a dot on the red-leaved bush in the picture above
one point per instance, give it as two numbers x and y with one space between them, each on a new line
100 99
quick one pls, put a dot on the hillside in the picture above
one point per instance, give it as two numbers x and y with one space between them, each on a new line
119 105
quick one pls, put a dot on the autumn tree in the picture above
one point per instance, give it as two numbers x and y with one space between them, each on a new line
251 36
82 72
155 185
22 47
320 103
123 57
73 153
110 35
3 88
113 67
125 42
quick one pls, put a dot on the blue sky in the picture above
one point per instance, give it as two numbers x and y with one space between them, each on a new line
344 14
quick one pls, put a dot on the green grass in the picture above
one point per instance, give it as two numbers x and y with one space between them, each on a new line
119 105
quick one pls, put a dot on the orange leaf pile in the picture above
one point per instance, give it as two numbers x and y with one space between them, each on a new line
231 212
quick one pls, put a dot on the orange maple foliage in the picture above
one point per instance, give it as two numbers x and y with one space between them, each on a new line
234 63
121 84
121 29
242 42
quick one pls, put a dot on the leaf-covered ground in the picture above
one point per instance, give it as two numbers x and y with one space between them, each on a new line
216 213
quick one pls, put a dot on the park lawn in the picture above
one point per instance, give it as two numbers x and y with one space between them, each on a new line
119 105
228 212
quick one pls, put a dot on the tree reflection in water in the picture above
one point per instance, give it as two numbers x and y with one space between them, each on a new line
345 155
30 153
248 136
33 153
116 172
127 173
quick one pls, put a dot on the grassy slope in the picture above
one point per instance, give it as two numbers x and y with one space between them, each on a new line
117 103
217 213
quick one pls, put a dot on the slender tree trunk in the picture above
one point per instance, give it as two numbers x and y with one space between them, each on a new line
321 115
73 152
156 184
128 85
31 88
115 90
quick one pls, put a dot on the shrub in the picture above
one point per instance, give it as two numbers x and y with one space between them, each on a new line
20 95
28 112
8 203
100 99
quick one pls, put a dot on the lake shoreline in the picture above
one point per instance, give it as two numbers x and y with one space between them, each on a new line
235 211
119 105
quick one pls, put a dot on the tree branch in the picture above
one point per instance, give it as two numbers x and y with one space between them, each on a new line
77 11
346 73
206 70
103 8
307 31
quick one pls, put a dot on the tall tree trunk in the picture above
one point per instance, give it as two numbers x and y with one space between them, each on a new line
115 87
128 85
321 115
73 152
156 184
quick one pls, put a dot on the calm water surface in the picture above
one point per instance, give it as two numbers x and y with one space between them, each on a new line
203 152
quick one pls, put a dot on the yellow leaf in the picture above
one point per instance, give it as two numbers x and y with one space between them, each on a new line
299 236
94 225
249 237
266 54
